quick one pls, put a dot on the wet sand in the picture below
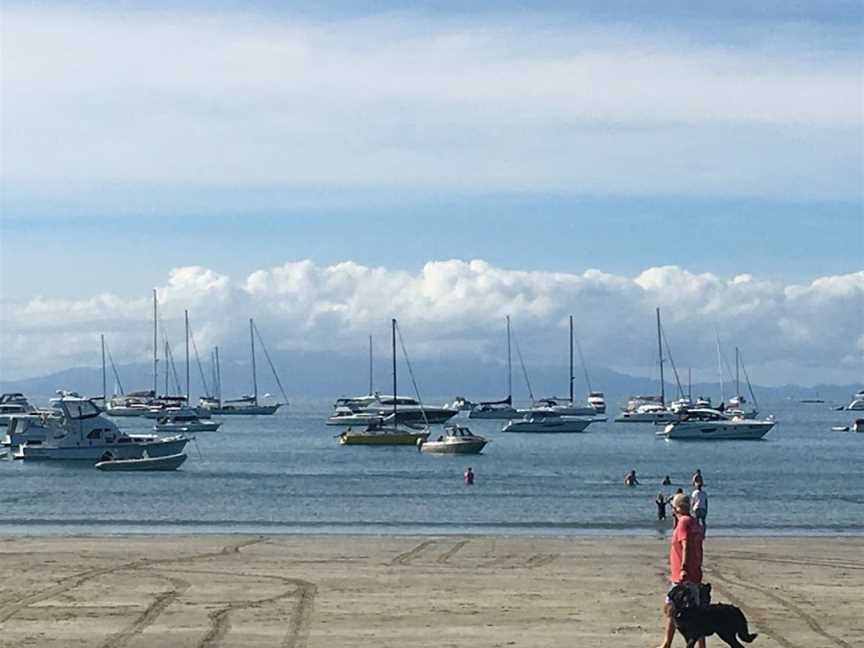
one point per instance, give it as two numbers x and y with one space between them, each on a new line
478 591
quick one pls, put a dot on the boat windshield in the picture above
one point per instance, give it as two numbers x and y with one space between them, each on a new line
80 409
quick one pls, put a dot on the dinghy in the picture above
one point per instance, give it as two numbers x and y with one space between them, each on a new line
171 462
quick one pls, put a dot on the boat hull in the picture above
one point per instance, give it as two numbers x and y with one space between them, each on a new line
468 447
208 426
252 410
714 431
500 414
170 462
382 438
135 450
646 417
573 426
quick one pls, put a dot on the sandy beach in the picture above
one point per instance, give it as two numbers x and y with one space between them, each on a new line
477 591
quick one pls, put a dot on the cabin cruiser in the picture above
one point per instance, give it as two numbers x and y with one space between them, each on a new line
557 406
132 404
455 440
346 416
709 424
598 401
648 413
460 404
547 423
379 433
244 405
79 431
13 404
857 401
184 423
502 410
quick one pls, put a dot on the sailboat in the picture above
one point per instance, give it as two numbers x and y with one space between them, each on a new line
387 432
650 409
249 404
501 409
735 405
568 407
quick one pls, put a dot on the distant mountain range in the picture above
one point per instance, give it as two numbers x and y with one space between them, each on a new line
325 375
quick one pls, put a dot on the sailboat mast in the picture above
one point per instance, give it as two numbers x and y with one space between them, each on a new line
393 332
737 382
186 318
155 348
720 371
371 387
689 385
571 359
167 370
104 377
660 353
254 370
509 366
218 378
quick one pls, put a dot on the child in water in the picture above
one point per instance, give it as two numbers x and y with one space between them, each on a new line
469 477
661 503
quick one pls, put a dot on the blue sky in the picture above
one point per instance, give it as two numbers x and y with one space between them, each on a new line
545 137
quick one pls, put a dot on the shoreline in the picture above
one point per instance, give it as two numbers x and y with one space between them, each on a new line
365 591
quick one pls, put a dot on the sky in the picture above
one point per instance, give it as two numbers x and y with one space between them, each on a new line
324 166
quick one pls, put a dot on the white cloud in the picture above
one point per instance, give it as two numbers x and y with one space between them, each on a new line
186 99
813 330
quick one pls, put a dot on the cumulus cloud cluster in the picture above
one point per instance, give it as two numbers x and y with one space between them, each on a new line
808 332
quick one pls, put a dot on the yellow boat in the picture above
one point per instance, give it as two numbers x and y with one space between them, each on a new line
380 435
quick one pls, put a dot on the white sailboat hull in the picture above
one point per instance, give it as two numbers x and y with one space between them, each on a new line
493 413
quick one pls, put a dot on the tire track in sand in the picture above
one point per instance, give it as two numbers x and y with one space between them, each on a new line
406 557
146 618
452 551
789 605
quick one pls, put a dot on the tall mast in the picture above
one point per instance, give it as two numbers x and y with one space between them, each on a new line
509 366
660 352
186 317
104 381
155 349
371 387
737 382
254 371
689 386
393 332
167 370
571 359
720 370
218 378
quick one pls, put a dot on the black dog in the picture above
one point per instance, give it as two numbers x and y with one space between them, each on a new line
695 616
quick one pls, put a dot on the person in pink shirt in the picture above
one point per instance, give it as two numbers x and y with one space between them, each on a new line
685 559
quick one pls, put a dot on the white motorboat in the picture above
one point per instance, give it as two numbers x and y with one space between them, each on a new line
79 431
185 423
647 413
455 440
345 416
460 404
13 404
598 401
170 462
857 401
710 425
548 423
500 410
132 404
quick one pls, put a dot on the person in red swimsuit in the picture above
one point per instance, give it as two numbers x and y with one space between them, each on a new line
685 558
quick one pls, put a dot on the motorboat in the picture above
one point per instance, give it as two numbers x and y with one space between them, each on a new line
555 405
80 431
647 413
597 400
379 434
165 408
548 423
344 416
857 401
455 440
185 423
500 410
170 462
708 425
460 404
13 404
132 404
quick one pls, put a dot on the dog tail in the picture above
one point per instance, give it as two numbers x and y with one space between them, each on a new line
744 632
748 637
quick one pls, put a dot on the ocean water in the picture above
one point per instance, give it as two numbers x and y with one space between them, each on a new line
287 474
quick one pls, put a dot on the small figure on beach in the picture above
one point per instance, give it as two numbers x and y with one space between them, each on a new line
630 479
667 481
699 500
469 477
685 559
661 501
697 478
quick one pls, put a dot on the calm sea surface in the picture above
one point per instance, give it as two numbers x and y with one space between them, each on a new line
287 474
